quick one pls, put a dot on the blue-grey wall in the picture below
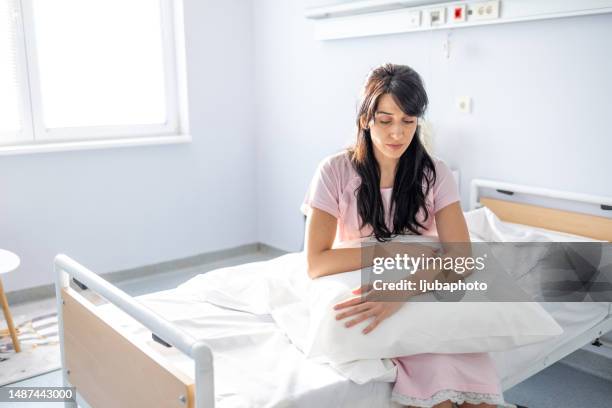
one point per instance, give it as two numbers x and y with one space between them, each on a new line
127 207
542 98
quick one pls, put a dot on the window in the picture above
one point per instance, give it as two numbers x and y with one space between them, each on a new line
82 72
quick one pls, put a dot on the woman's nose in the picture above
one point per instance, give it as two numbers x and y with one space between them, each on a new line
397 132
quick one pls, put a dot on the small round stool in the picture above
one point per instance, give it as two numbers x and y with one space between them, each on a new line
8 263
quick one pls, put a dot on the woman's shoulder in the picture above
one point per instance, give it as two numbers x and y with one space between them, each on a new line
445 189
338 159
442 169
338 169
437 161
338 163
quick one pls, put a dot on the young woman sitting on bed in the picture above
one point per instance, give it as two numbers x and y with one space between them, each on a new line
351 196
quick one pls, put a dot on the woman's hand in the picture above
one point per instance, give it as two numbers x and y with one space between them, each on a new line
362 309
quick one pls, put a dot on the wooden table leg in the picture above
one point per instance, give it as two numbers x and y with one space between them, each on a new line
9 319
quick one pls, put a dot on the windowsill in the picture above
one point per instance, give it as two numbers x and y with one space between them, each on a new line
92 144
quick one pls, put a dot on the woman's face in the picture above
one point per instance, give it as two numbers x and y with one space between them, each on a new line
391 129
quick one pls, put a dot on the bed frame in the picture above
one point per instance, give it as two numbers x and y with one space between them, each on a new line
591 226
109 368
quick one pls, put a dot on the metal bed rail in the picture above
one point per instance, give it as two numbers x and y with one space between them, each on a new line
65 267
477 184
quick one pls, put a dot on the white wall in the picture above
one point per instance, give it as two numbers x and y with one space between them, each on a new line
267 102
541 103
122 208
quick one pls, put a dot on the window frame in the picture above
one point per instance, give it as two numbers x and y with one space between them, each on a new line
35 137
25 134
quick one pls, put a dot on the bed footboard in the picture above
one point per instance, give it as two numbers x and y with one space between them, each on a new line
111 368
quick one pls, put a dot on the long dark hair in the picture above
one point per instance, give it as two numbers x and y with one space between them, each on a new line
415 173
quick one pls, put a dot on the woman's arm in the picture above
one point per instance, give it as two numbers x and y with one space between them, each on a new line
322 260
452 230
451 225
454 238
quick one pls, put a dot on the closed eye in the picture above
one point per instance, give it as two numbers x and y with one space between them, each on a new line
387 122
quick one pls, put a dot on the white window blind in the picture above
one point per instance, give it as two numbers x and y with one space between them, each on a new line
10 114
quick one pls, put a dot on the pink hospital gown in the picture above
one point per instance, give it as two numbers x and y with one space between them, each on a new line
422 380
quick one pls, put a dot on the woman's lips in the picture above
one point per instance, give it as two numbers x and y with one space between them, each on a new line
394 146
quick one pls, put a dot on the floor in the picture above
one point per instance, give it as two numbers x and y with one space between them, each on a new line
560 385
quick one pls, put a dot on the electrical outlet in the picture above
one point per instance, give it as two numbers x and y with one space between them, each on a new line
435 16
484 10
457 13
464 104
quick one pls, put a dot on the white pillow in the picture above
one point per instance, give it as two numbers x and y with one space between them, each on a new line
420 327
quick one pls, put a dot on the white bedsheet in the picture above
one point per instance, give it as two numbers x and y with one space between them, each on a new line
255 364
575 318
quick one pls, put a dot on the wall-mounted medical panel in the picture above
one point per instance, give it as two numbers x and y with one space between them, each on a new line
378 17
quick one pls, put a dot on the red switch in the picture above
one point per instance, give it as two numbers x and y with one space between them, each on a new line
459 13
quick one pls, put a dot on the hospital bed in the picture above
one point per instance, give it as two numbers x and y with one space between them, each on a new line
582 322
229 358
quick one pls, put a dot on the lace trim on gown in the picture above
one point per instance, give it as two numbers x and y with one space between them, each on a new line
458 397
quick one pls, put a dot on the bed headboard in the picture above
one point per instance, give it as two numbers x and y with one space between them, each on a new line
571 222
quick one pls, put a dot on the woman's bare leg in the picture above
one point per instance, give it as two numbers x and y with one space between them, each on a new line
445 404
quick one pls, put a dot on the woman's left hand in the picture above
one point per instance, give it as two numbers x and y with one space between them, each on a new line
363 309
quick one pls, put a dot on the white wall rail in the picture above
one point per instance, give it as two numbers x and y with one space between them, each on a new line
377 17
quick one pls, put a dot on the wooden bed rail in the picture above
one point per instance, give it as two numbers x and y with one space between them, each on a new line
569 222
592 226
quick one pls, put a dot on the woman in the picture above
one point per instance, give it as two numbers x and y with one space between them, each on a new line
383 186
